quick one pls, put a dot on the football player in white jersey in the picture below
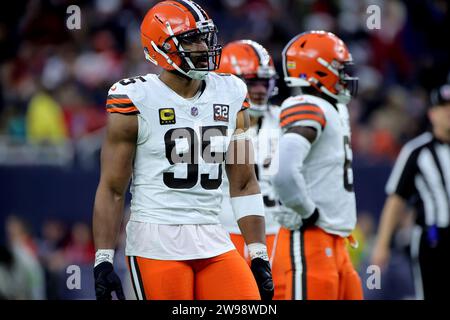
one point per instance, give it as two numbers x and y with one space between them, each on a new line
314 179
169 133
251 62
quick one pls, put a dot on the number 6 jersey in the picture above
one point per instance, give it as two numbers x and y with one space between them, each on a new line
327 168
181 146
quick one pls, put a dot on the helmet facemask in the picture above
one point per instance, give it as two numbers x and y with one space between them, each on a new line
209 59
346 87
265 76
347 82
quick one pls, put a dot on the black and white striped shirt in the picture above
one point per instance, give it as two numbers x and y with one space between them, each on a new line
421 176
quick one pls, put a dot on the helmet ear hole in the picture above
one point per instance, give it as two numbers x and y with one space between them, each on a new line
303 44
321 73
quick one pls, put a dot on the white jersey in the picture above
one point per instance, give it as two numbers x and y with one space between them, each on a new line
178 165
177 171
176 242
265 143
327 168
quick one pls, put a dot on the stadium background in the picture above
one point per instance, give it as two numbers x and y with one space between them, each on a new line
53 88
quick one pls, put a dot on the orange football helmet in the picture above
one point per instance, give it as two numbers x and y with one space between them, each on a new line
169 25
250 61
320 59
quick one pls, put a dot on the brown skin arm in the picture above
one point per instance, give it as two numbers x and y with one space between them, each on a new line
117 157
241 175
390 219
309 133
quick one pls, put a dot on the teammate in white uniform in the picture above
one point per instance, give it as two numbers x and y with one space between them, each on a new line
265 134
171 133
251 62
315 176
327 166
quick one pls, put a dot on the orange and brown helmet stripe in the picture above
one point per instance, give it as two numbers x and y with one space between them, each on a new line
196 11
261 54
120 103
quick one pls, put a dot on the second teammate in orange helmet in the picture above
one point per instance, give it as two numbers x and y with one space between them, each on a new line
251 62
315 177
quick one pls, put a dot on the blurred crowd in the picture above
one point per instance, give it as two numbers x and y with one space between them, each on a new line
35 264
54 80
54 83
30 263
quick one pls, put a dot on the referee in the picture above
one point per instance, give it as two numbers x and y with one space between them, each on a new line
421 178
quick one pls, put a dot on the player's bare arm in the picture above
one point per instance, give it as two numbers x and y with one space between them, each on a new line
245 197
389 221
243 181
116 167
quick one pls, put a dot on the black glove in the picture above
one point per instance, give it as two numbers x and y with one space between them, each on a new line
311 220
263 276
107 281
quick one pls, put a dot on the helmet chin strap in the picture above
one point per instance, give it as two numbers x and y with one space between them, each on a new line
255 113
257 110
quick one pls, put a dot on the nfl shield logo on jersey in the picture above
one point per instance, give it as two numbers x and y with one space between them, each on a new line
194 111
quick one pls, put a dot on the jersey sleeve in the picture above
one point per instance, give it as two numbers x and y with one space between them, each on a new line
305 114
119 101
401 181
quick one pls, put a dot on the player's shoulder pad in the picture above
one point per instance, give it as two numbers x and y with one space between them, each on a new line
302 110
232 82
124 95
241 91
235 86
239 84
